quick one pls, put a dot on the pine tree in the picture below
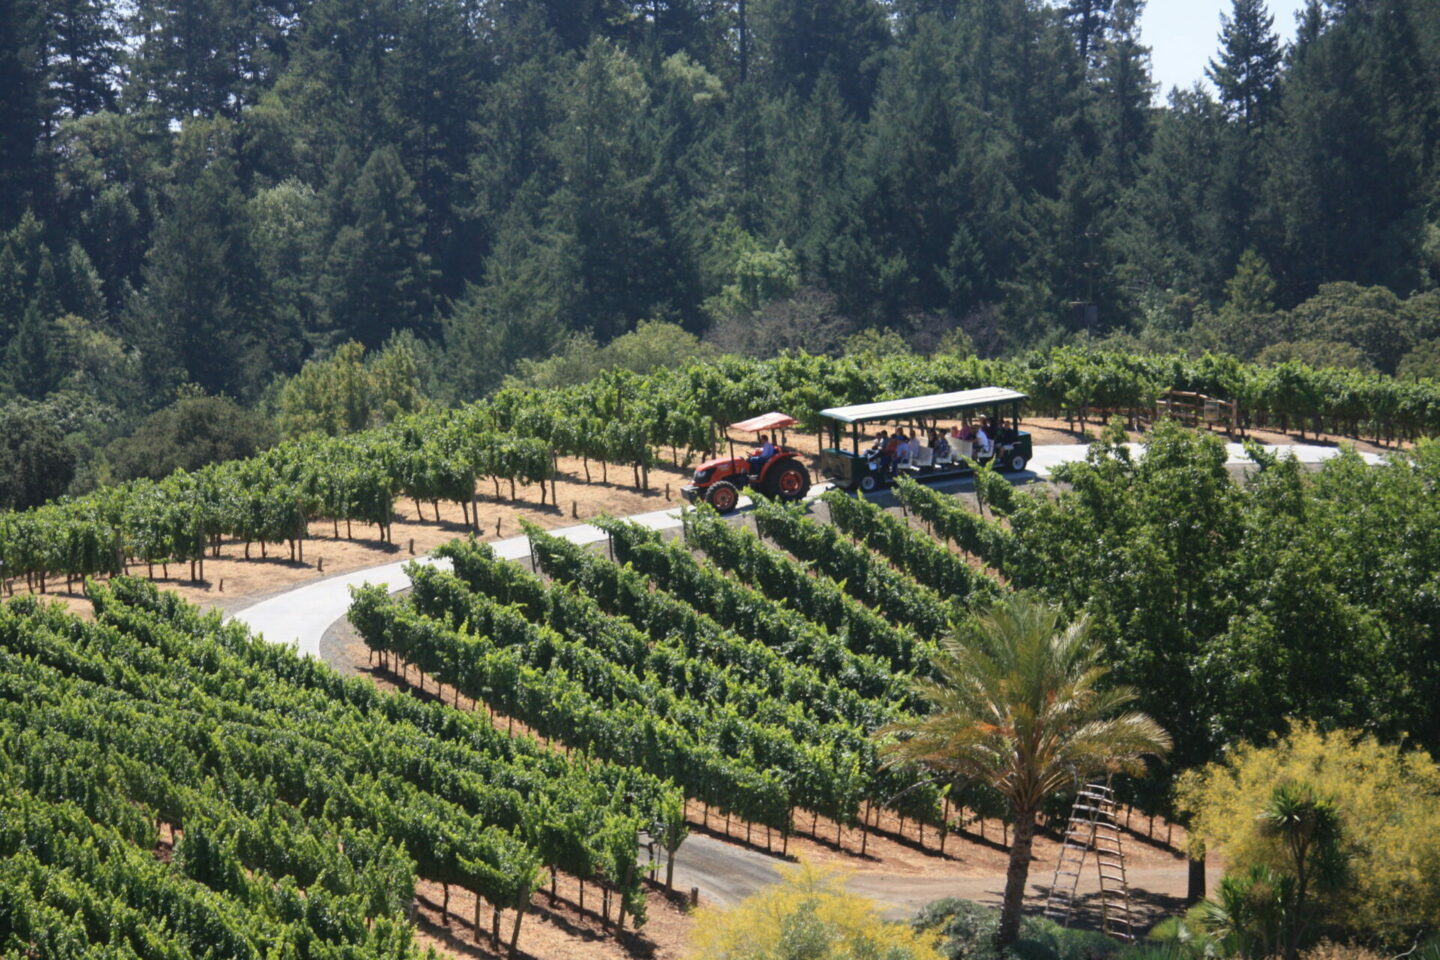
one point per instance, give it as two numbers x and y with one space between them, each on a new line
1182 228
439 66
1345 174
1088 20
204 58
1247 72
1123 93
803 39
83 56
29 362
1251 292
196 317
377 276
1309 24
46 293
1249 301
24 108
84 294
609 249
12 292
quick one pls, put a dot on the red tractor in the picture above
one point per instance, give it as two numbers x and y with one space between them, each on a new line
718 482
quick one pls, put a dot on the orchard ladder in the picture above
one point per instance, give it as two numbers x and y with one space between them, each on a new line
1093 827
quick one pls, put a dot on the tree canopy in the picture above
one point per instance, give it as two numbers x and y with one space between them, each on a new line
220 192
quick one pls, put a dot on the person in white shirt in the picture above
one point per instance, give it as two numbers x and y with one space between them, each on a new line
984 446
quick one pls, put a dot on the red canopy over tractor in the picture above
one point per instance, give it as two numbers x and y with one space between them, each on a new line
766 421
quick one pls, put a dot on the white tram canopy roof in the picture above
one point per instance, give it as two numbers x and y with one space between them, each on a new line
935 403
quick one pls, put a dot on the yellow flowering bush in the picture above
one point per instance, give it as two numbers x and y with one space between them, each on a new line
809 915
1388 799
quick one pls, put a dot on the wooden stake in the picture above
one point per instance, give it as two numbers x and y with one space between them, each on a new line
515 931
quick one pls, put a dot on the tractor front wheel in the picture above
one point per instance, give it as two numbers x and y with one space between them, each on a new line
723 496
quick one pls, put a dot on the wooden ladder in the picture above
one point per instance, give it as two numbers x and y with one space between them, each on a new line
1093 827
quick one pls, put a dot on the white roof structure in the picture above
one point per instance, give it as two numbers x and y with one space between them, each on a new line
915 406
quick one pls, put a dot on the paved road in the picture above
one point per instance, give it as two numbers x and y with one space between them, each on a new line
723 872
726 873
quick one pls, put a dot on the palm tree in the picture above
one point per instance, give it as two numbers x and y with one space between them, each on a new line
1018 705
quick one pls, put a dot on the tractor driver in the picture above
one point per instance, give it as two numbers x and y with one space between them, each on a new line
760 458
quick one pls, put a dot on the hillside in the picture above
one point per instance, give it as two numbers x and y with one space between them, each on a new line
354 355
202 204
619 659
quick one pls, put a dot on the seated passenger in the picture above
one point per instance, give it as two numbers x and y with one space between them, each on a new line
762 456
895 448
902 448
983 448
940 445
878 447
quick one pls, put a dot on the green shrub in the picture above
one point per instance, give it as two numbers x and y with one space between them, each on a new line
967 930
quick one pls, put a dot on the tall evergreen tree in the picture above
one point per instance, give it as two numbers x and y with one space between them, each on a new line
1181 226
24 108
29 366
803 39
1247 71
377 275
195 319
611 252
438 68
82 292
12 292
204 58
1088 19
1123 91
83 56
1346 178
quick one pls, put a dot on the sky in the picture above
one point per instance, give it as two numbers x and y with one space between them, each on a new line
1184 34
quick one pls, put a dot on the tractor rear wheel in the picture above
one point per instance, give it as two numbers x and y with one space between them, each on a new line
787 481
723 496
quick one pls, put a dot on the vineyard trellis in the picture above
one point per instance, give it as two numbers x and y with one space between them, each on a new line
624 419
265 766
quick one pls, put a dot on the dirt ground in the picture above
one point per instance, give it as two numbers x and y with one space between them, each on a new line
551 931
